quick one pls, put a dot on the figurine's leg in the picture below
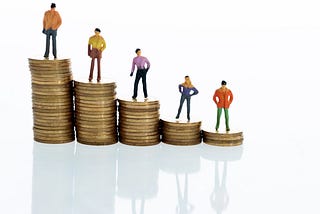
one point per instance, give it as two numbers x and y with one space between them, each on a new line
91 69
226 116
99 69
46 54
136 82
188 107
219 111
54 43
180 106
144 83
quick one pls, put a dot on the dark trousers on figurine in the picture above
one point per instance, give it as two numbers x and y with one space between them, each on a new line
141 74
182 99
95 54
226 117
53 34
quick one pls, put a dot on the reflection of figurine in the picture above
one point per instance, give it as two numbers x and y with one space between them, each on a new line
184 206
187 90
223 98
51 23
140 62
138 173
96 45
219 198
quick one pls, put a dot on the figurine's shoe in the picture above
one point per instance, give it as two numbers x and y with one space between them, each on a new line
90 79
227 129
146 99
134 99
46 58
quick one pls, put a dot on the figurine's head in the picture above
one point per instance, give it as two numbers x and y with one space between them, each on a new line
53 5
187 81
223 82
97 31
138 51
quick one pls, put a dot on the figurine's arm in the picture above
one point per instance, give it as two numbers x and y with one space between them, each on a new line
103 45
180 87
215 97
89 49
44 21
230 97
132 67
148 64
195 91
59 20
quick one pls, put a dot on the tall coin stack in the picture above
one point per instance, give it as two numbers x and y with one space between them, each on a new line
180 133
139 122
96 113
52 101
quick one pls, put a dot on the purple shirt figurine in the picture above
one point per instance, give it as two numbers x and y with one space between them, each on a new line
141 73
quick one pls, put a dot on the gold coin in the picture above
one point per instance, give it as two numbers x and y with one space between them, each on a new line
136 106
106 128
140 142
95 110
97 141
42 62
222 139
182 143
91 117
54 141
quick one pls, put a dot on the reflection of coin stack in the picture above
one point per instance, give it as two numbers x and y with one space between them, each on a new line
222 139
52 100
96 113
177 133
138 172
139 122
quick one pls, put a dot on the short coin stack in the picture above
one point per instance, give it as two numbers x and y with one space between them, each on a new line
52 100
181 133
222 139
96 113
139 122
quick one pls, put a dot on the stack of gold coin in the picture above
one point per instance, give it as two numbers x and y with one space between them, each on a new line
95 113
181 133
222 139
139 122
52 100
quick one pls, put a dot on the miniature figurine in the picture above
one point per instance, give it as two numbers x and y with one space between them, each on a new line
51 23
96 45
140 62
187 90
223 98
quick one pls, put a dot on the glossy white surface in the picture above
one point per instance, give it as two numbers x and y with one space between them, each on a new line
268 51
75 178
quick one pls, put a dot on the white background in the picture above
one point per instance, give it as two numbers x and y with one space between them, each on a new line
267 51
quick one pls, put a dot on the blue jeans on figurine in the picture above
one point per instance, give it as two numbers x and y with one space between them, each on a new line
182 99
53 34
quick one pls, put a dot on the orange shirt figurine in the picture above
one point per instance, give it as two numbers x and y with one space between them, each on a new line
223 98
51 23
